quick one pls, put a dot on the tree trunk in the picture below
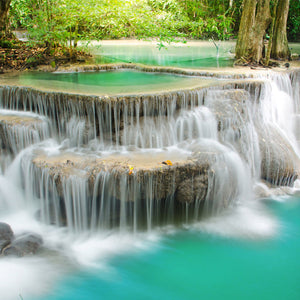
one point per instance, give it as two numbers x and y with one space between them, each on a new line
255 20
280 49
4 7
268 55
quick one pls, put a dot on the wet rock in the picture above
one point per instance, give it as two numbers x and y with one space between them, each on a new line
19 130
232 111
2 137
6 235
142 171
25 244
54 215
280 164
193 189
90 190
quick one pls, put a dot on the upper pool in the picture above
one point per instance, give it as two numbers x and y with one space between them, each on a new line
193 54
104 82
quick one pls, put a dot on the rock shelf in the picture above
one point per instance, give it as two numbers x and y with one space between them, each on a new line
137 168
20 130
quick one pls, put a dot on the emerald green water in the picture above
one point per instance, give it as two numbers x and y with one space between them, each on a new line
199 264
189 55
181 62
192 54
108 82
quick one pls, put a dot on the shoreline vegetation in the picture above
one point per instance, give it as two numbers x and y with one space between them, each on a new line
17 55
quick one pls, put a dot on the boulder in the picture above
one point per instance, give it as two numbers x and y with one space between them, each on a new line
6 235
280 164
25 244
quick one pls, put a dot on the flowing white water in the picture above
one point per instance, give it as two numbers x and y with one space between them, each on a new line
224 127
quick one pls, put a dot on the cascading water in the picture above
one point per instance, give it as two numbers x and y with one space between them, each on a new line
225 125
89 164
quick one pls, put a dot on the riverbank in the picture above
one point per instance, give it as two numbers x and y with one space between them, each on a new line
16 55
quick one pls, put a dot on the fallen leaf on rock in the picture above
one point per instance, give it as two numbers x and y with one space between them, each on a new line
130 170
167 162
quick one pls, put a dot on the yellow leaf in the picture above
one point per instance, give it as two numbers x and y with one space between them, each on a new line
167 162
130 170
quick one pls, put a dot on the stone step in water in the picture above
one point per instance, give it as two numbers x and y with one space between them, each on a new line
19 130
138 188
87 118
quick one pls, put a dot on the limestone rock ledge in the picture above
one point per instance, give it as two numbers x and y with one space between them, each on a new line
145 185
20 130
166 174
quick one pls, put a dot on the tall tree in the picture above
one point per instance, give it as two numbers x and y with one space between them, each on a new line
255 20
4 8
268 55
280 49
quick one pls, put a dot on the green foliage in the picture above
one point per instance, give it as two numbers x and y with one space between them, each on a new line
6 44
20 12
63 22
293 24
198 19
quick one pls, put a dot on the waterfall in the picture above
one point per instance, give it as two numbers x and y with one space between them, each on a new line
141 161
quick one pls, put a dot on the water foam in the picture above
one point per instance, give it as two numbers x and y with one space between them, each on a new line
251 221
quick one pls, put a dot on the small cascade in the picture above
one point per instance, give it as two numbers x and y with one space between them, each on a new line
295 82
140 161
19 130
163 131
